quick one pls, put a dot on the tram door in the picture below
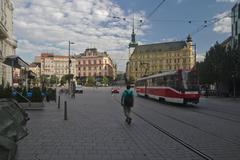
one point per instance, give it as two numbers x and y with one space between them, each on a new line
145 89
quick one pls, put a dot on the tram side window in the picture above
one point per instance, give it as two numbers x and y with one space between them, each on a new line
140 83
154 82
149 81
171 81
160 81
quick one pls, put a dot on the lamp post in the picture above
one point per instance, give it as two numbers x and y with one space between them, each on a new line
69 64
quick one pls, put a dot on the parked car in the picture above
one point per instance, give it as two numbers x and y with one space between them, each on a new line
79 89
115 90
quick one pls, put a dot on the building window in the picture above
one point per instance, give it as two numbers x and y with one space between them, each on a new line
89 68
89 61
95 62
100 61
89 74
83 61
84 68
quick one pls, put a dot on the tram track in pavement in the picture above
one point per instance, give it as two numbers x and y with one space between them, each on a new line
204 113
230 140
170 135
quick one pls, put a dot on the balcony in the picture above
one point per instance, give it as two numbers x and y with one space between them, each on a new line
3 31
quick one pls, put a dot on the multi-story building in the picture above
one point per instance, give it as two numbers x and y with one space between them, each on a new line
57 65
235 25
96 64
7 43
35 68
160 57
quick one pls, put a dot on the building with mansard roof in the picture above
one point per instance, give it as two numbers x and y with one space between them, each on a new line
155 58
93 63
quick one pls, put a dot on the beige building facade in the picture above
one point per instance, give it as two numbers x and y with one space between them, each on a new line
96 64
7 43
57 65
35 68
160 57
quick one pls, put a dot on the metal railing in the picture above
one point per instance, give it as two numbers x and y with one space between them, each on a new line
29 102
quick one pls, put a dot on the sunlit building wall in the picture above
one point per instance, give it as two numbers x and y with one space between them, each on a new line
160 57
7 43
57 65
96 64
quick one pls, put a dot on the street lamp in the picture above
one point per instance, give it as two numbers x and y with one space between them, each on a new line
69 63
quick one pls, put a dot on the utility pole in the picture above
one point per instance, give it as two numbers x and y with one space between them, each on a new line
69 65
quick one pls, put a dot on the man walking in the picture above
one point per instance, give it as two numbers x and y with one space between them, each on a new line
127 103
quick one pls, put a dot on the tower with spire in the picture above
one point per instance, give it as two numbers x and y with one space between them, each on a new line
133 44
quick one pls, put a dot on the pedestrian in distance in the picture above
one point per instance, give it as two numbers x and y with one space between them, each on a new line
127 102
207 91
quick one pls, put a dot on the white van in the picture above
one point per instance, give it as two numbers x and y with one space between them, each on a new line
79 89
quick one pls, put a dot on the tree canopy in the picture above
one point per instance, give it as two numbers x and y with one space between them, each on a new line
221 66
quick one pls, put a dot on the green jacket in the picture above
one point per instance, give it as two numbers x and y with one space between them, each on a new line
126 92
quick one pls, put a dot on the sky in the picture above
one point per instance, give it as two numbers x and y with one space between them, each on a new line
48 25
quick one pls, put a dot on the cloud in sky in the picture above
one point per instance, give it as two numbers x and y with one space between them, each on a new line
223 25
48 25
231 1
201 57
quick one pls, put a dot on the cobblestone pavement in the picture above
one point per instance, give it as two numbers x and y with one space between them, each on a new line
95 129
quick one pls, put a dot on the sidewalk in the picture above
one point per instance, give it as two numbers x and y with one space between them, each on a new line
95 130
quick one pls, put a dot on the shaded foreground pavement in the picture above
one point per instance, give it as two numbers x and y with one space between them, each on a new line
95 130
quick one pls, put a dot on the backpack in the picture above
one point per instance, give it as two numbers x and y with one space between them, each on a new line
128 99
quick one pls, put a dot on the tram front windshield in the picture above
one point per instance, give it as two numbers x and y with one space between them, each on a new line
189 80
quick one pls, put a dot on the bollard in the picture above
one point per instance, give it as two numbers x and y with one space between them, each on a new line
65 110
58 102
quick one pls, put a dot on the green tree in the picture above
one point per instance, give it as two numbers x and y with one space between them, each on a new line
220 65
45 81
91 81
105 80
65 78
54 79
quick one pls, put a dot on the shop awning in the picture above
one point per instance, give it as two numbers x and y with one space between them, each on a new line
16 62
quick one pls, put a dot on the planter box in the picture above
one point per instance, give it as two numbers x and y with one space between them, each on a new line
32 105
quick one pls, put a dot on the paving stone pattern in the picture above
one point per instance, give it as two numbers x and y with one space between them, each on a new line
95 130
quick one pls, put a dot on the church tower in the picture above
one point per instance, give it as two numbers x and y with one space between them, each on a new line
133 44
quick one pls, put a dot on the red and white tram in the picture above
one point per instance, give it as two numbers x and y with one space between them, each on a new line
177 86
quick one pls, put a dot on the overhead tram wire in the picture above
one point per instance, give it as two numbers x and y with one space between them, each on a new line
155 9
152 12
207 24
